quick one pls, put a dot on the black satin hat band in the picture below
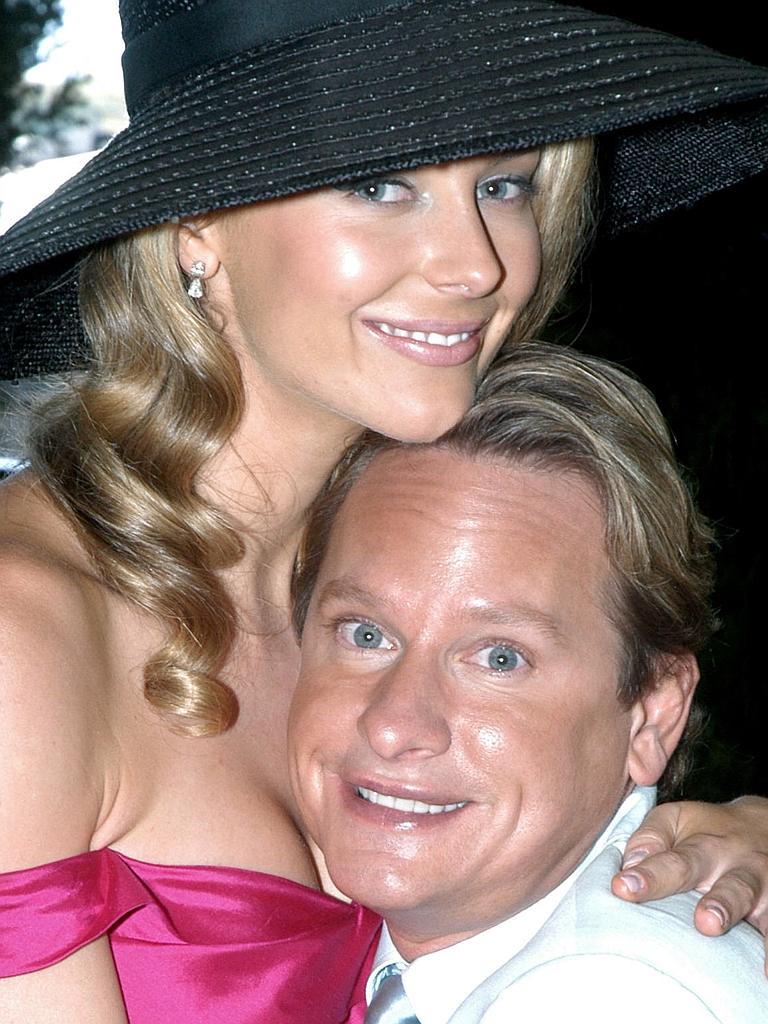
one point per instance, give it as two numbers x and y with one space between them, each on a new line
220 29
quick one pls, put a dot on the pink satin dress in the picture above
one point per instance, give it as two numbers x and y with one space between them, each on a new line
194 944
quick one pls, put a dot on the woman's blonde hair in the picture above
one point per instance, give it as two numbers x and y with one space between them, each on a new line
122 451
121 455
564 211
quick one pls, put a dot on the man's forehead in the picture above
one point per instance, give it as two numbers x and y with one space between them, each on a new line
497 540
456 489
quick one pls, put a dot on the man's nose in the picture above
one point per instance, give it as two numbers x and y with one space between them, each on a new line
458 251
406 714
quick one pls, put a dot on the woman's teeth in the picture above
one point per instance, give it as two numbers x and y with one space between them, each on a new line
409 806
427 337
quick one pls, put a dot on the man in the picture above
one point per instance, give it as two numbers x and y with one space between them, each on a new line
498 663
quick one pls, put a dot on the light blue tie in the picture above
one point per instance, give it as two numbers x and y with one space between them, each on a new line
390 1004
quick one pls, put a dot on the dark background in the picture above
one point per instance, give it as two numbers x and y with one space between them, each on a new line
681 303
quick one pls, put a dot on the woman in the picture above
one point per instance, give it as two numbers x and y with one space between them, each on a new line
148 661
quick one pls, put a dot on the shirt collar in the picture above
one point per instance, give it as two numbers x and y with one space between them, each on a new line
386 954
437 983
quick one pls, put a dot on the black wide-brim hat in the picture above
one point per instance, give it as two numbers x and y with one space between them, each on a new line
237 101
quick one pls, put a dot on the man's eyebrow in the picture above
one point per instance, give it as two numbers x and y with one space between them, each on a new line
345 589
519 614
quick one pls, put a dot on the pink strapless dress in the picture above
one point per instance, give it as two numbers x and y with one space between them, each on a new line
194 944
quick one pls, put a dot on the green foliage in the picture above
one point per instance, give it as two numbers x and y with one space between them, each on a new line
23 24
47 114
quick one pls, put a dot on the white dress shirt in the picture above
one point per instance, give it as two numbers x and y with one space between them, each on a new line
597 988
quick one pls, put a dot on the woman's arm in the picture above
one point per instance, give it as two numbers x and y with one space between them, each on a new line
51 788
720 849
82 988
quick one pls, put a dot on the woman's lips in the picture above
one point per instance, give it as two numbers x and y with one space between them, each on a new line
434 343
430 337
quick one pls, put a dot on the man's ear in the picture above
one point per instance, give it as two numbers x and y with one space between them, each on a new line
659 717
198 244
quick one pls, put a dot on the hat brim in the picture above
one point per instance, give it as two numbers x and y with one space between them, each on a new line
425 82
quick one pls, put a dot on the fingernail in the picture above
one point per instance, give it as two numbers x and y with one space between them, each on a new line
717 910
632 881
635 857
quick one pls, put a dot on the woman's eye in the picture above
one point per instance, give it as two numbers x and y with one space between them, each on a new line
365 636
500 658
380 190
505 189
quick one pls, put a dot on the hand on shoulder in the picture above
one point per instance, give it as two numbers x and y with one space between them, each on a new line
719 849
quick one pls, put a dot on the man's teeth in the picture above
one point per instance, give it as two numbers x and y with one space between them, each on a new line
429 337
409 806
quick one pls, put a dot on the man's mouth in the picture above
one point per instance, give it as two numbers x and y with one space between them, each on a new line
397 803
425 337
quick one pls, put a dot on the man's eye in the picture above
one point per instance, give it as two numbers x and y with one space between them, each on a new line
364 636
500 658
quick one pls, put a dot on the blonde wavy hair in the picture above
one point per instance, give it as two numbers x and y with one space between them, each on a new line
564 207
122 451
121 455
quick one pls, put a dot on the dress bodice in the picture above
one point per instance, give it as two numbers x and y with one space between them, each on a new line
208 944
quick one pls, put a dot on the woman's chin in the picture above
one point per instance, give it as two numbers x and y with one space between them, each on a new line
420 423
422 431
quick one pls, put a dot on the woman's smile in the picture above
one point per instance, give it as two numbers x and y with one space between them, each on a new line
433 343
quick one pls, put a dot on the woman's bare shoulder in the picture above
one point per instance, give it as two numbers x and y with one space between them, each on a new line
50 597
50 713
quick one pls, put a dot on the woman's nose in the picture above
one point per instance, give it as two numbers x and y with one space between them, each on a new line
405 716
458 251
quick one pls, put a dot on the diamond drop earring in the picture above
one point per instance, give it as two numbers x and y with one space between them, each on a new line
197 273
